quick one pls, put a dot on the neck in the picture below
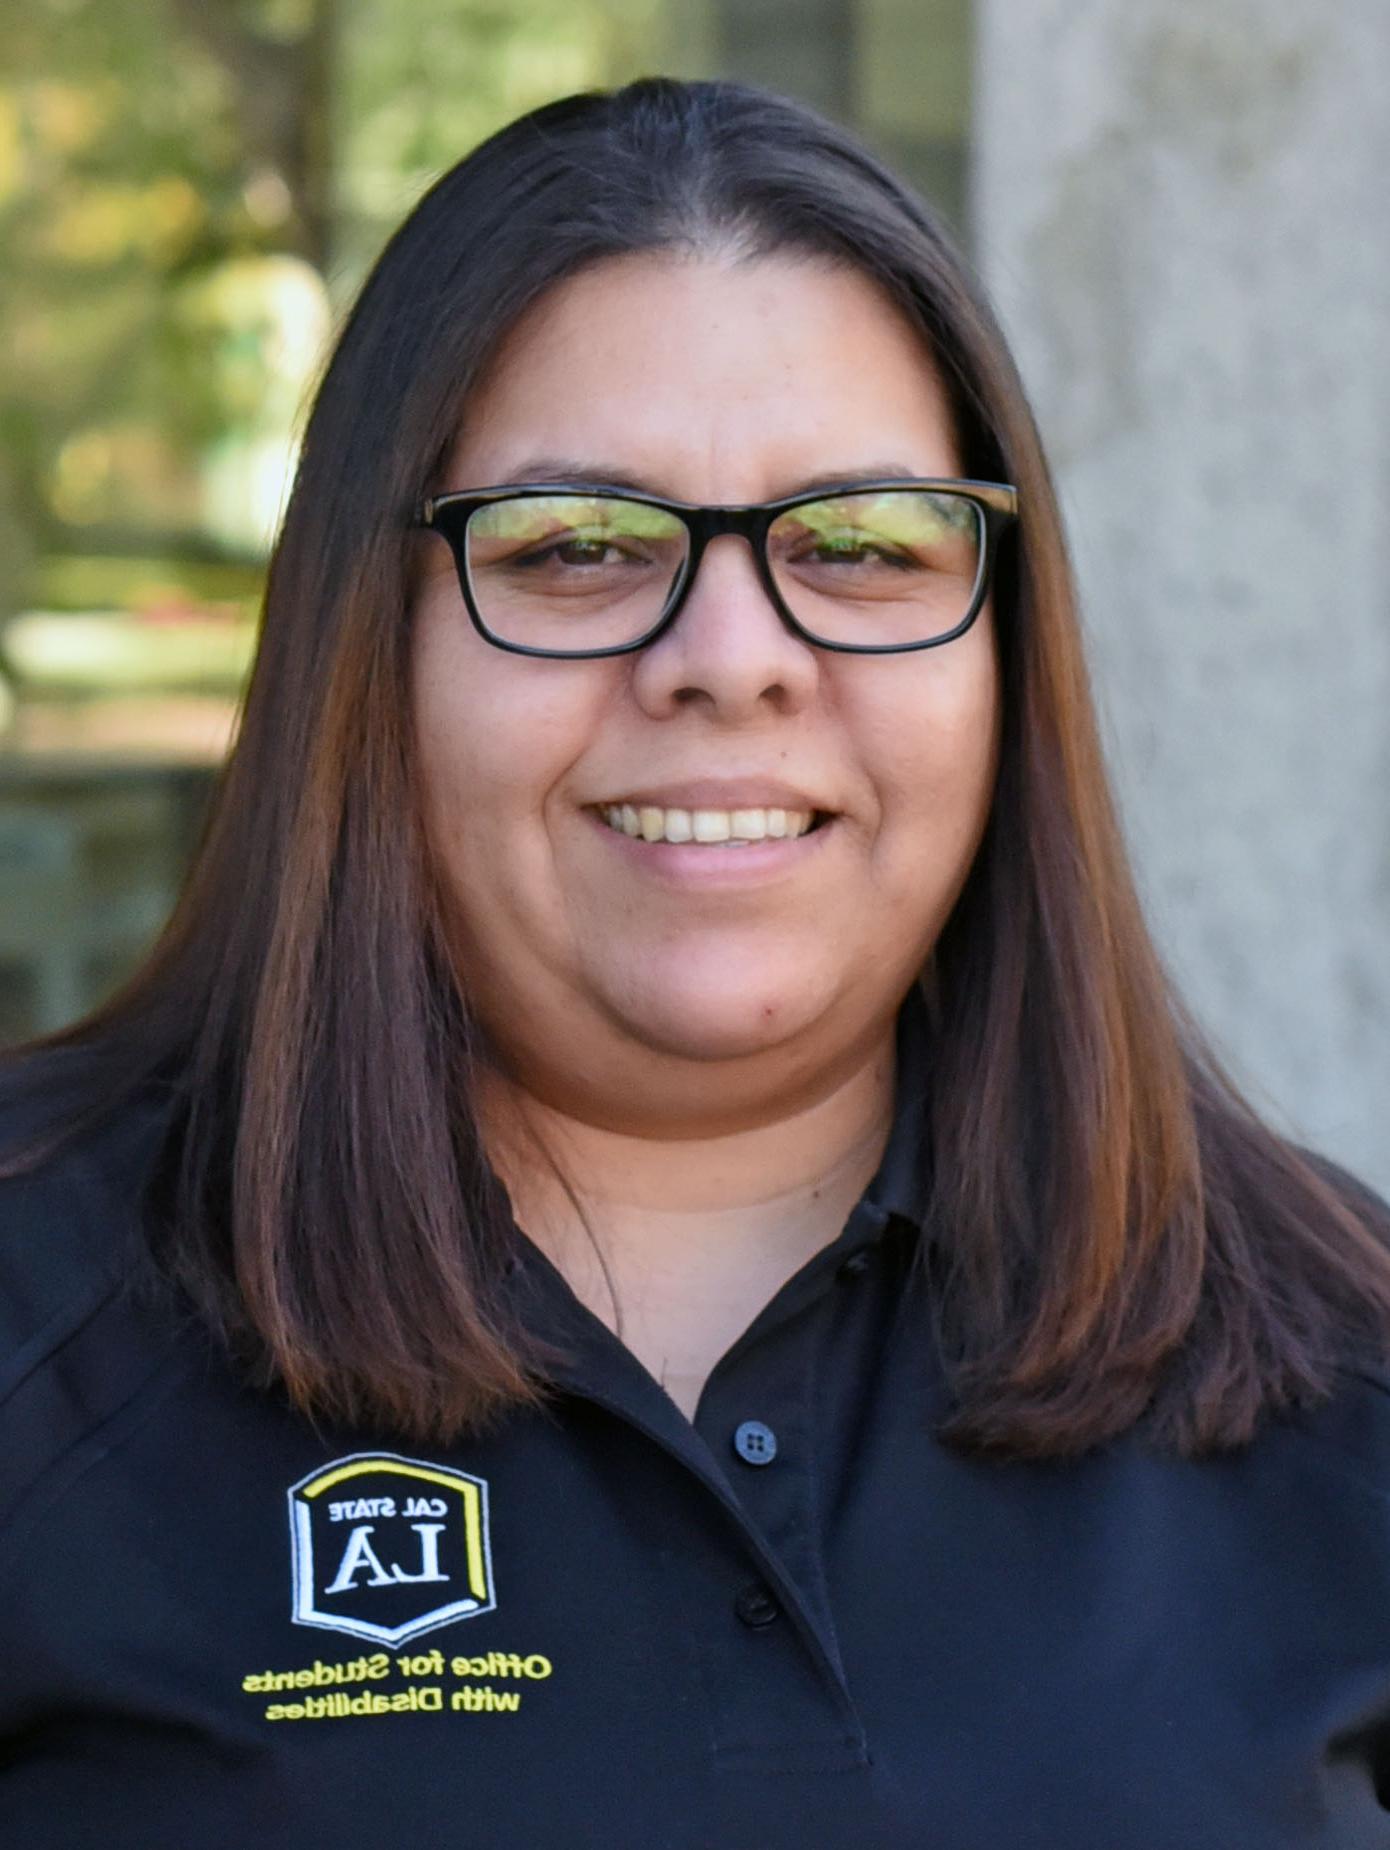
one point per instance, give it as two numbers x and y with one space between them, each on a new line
709 1224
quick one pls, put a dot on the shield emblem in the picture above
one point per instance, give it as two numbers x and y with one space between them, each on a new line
386 1548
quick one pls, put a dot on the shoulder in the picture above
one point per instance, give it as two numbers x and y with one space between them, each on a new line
1335 1456
1347 1433
1365 1374
74 1344
69 1214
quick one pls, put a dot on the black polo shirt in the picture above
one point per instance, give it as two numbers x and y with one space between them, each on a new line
799 1622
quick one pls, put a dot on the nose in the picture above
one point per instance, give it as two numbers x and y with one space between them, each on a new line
728 651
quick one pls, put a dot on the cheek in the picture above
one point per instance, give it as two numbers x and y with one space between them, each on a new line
497 738
482 773
490 743
933 751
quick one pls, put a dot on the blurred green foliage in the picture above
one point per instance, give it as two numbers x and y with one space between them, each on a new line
185 186
420 84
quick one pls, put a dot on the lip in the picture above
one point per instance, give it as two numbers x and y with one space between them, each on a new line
694 866
719 793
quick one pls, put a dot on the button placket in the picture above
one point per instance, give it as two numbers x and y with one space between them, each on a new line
775 1679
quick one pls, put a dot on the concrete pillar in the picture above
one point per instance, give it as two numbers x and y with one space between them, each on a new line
1183 210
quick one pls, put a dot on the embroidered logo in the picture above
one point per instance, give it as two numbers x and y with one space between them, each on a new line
387 1548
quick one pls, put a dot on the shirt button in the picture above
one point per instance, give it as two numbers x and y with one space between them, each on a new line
755 1443
854 1265
756 1607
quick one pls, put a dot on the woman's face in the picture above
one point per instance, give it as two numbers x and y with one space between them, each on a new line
590 954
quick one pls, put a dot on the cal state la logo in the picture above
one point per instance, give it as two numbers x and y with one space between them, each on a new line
387 1548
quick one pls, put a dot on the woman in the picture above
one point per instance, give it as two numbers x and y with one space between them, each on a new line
650 1261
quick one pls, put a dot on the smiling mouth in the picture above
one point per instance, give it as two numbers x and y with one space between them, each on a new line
714 828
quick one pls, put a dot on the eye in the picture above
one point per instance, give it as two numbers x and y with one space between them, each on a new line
852 547
577 549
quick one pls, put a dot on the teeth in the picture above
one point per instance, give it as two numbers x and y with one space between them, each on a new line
712 824
732 828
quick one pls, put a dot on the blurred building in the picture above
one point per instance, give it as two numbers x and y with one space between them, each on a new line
1179 206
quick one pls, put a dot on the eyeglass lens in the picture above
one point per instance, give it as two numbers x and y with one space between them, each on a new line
882 568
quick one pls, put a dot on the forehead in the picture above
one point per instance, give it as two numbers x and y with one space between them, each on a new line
709 377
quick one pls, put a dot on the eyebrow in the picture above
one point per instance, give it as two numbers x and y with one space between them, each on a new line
592 472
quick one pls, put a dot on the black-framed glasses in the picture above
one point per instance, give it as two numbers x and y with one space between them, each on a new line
866 568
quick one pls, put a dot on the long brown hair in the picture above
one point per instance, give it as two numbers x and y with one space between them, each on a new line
1118 1239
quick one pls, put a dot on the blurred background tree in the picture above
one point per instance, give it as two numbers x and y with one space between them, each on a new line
182 186
163 191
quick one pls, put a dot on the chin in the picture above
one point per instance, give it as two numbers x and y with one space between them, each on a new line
725 1019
